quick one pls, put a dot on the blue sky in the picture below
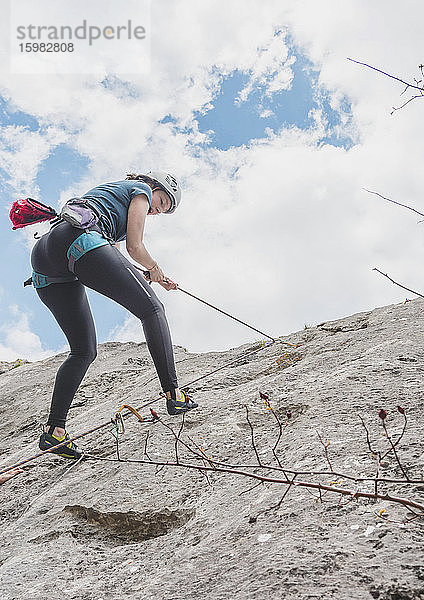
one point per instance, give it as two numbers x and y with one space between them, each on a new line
270 129
63 167
228 122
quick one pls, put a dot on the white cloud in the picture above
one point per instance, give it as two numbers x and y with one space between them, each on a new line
272 68
292 238
18 341
129 331
22 152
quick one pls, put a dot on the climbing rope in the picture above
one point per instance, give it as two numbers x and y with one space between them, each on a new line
147 276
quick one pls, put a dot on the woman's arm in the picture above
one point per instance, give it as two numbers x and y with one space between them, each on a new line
135 230
137 213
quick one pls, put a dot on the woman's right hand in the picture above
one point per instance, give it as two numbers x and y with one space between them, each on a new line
156 274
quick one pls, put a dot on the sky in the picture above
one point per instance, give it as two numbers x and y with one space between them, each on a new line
273 134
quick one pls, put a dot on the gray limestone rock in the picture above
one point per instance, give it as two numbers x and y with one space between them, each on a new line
108 530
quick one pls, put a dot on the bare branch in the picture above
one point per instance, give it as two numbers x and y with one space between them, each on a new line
371 449
251 488
409 85
394 202
395 108
306 484
253 437
393 449
145 445
280 433
405 422
325 446
398 284
204 464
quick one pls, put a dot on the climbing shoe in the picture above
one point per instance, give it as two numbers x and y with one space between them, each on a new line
175 407
69 450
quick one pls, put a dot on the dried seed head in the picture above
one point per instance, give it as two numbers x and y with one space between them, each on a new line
382 414
289 414
401 410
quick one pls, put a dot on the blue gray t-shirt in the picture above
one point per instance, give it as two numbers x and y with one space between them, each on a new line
112 200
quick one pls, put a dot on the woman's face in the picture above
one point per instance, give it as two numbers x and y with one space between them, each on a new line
161 202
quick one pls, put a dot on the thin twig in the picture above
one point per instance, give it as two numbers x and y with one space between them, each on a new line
145 445
177 438
251 488
200 449
395 108
280 433
394 202
393 448
387 74
368 435
405 422
378 470
277 506
398 284
325 446
356 479
253 437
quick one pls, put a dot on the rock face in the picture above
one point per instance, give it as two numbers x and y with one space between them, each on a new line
108 530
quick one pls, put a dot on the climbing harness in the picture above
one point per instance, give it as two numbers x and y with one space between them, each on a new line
81 245
84 243
40 281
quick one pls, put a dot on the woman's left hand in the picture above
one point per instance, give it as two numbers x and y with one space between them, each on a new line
168 284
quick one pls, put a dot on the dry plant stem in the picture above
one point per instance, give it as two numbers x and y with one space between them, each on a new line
253 437
396 283
327 458
114 434
394 202
416 86
371 449
378 470
300 484
117 447
393 449
280 433
145 453
196 454
278 505
206 458
177 438
405 422
251 488
394 108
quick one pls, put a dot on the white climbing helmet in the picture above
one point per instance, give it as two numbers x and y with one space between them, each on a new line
170 185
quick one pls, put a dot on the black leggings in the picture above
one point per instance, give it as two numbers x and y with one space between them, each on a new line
108 272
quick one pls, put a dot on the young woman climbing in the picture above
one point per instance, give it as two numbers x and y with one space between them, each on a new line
78 252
